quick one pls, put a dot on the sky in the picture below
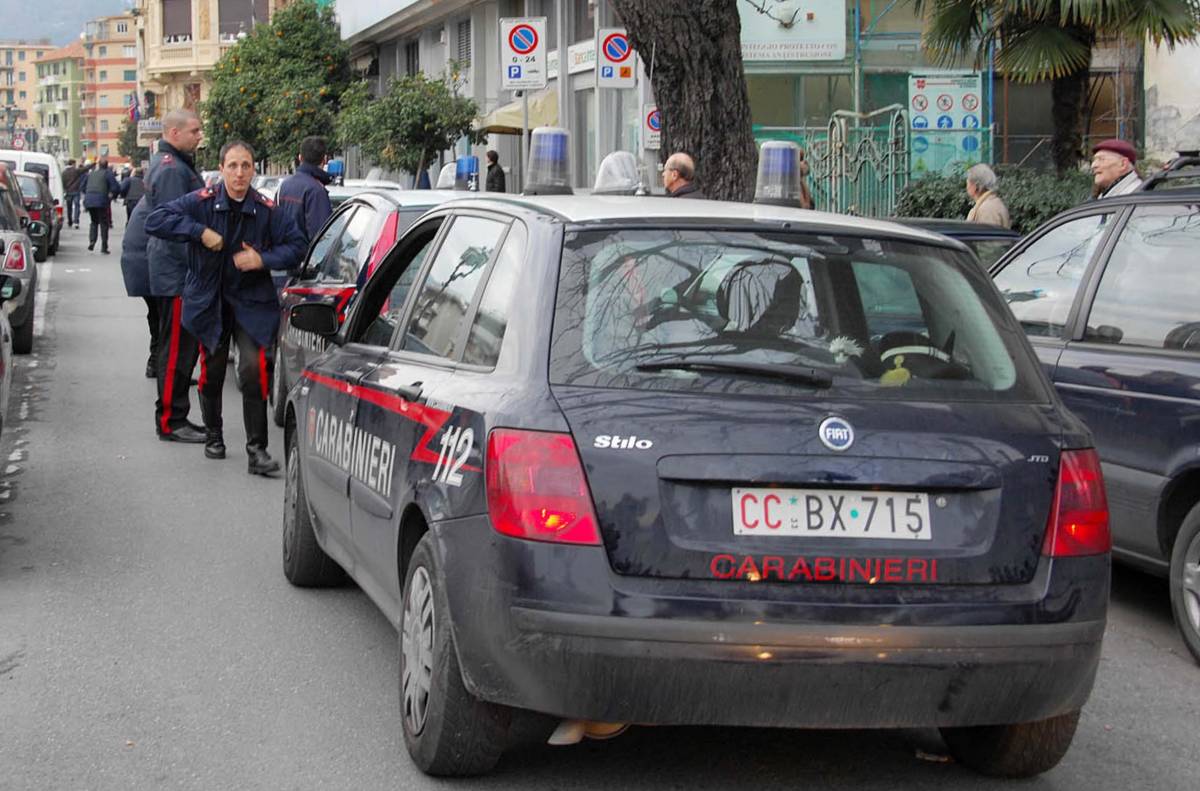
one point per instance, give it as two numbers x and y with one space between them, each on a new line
26 19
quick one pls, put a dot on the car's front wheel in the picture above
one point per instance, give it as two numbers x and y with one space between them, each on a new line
278 390
22 339
305 564
1185 581
1020 750
448 731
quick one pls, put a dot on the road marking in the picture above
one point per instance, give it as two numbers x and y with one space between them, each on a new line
39 301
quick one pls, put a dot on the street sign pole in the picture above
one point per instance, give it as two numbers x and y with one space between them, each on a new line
523 67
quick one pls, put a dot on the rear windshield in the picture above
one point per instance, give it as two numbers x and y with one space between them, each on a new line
38 168
764 311
30 187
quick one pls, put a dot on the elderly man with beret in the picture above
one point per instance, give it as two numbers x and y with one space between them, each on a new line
1112 169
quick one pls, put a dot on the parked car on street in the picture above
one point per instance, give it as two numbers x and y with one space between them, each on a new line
40 205
988 242
17 253
40 164
1109 295
10 288
635 460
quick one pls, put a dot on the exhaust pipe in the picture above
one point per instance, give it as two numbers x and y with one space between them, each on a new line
574 731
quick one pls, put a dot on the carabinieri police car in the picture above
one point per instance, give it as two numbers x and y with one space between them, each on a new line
636 460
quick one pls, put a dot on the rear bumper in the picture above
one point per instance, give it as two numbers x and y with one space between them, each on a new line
551 628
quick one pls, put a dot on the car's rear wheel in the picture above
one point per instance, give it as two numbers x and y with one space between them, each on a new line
278 390
448 731
22 339
1185 581
305 564
41 251
1020 750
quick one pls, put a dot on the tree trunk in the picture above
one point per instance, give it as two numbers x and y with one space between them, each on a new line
1067 96
699 87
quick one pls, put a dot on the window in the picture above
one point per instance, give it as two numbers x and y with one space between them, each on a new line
1151 286
177 21
103 100
129 51
348 253
21 77
21 54
103 125
491 319
1040 283
583 22
122 27
104 52
24 95
548 9
241 16
130 75
325 243
387 293
104 150
464 42
445 298
103 76
412 58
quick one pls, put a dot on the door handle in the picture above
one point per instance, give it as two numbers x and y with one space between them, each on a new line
412 392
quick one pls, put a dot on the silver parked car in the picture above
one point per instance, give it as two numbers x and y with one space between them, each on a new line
10 288
17 259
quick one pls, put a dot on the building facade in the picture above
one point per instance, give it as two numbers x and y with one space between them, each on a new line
109 84
18 90
59 102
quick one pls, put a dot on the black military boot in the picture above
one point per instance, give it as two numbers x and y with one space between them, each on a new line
261 462
214 444
214 440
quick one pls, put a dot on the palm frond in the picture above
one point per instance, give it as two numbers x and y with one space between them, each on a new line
1042 52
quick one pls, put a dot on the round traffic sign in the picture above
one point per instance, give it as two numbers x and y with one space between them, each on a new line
616 47
523 39
970 102
970 143
18 143
654 120
945 102
920 103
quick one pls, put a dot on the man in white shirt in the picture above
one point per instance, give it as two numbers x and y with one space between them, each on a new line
1112 169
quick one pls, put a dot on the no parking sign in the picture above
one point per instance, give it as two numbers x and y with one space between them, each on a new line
651 127
522 53
616 62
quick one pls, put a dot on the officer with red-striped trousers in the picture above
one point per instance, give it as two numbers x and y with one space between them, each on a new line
173 175
236 236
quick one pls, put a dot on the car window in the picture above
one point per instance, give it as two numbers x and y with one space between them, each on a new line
30 187
325 242
491 319
343 262
1149 294
876 318
41 170
389 288
445 298
1040 283
989 250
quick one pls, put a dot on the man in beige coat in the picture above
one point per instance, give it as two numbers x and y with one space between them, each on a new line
989 209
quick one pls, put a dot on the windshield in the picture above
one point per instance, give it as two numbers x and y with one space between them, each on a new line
30 188
872 318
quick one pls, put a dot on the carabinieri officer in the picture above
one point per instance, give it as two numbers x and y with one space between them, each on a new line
237 235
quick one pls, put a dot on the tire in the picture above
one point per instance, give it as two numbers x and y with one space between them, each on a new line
1185 581
1022 750
279 390
41 251
448 731
305 564
22 339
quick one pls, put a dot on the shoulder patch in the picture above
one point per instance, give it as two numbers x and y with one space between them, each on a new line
167 159
264 200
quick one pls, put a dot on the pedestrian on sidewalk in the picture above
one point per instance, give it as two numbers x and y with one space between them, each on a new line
679 176
1113 171
303 195
989 208
496 181
236 238
132 190
70 179
100 190
172 175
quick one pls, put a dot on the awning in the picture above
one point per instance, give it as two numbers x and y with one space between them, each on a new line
506 120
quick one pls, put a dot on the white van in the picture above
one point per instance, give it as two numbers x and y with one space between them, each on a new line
44 165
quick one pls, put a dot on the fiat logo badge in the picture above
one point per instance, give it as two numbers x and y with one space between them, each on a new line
836 433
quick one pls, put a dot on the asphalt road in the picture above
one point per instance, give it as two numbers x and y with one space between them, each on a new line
148 638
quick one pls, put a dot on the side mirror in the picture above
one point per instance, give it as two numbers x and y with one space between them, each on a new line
317 317
37 228
9 287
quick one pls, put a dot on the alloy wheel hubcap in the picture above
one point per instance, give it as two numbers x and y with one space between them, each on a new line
416 648
1191 583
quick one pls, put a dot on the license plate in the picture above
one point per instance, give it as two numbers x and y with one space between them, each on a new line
824 513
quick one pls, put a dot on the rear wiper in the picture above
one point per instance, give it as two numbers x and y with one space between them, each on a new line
695 362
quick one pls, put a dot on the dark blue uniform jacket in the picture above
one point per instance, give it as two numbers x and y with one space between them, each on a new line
171 176
212 277
134 266
304 197
101 188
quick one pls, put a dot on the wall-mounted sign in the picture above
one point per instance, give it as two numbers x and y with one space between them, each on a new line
793 29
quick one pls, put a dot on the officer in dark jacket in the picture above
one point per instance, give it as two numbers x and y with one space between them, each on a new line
303 195
173 175
98 195
132 190
135 269
236 237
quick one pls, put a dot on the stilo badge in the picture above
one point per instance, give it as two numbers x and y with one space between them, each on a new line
836 433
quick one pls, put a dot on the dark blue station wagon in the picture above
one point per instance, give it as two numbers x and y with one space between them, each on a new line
632 460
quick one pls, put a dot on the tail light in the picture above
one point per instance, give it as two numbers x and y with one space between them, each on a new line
1079 516
14 261
58 211
35 215
536 489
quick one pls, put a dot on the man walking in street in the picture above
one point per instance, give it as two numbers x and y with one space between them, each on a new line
679 174
132 189
1113 171
173 175
495 174
236 238
70 180
303 195
98 196
989 209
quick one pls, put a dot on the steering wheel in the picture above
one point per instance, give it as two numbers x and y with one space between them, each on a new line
920 355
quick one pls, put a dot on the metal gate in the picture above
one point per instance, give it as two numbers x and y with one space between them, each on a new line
858 164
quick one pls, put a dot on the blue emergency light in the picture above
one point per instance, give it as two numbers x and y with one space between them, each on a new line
779 174
549 171
618 175
466 174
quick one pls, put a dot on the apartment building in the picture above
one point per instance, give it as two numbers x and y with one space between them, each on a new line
59 96
109 83
18 88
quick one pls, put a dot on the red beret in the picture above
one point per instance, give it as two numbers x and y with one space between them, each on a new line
1117 147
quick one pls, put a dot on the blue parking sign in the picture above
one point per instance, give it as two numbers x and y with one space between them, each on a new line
514 72
606 72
